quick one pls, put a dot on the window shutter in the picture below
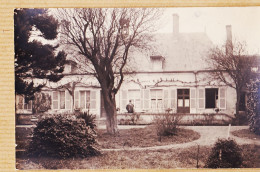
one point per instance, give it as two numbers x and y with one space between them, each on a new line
123 100
142 99
76 98
222 98
201 98
173 99
68 100
62 99
93 99
166 99
55 100
82 99
146 99
192 100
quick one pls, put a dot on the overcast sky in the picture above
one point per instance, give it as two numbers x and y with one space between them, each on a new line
245 23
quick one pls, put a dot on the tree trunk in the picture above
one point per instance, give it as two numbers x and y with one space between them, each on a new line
111 118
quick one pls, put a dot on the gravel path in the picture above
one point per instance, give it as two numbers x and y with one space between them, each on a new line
208 136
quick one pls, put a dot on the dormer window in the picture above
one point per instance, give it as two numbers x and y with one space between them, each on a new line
157 63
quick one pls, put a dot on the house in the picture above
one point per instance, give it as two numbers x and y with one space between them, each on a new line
174 78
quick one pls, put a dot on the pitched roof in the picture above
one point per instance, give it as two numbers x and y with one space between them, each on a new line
180 52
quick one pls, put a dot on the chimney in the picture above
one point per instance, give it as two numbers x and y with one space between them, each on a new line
229 45
175 23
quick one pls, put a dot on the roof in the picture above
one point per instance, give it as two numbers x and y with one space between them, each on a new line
181 52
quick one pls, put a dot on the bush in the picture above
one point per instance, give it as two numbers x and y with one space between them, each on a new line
89 119
63 136
225 154
167 124
253 107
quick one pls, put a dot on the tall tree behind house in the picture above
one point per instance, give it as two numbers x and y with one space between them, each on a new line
231 64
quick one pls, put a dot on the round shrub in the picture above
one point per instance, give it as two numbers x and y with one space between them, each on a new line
225 154
63 136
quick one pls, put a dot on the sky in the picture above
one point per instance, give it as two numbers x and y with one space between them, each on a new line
245 22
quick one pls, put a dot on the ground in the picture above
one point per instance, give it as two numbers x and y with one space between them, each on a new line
172 155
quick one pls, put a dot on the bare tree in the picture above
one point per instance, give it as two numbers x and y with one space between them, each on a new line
232 65
104 38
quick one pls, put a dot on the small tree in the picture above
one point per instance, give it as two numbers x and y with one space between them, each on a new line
104 38
232 65
41 102
253 106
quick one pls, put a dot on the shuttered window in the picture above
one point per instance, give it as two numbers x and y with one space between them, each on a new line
156 99
135 97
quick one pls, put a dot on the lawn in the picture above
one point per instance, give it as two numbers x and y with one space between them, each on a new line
245 133
143 137
145 159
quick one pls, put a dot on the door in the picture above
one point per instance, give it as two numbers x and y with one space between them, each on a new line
183 103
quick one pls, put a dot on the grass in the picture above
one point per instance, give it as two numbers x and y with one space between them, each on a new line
162 159
143 137
245 133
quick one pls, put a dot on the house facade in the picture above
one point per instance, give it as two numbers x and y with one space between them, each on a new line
174 78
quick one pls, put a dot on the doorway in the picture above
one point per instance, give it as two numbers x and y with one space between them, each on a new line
183 103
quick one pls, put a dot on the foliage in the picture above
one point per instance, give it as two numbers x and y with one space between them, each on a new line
63 136
130 118
231 65
225 154
32 58
167 124
253 106
41 102
89 119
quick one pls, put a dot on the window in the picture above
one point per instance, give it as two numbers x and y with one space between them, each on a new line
61 100
22 105
135 97
183 102
156 99
85 99
157 62
211 97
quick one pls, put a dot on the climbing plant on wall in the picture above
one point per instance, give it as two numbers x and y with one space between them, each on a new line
253 106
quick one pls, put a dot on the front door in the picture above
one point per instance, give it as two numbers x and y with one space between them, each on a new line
183 101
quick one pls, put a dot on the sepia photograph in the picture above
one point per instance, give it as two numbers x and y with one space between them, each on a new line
137 88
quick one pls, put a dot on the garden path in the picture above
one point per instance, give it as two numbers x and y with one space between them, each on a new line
208 136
